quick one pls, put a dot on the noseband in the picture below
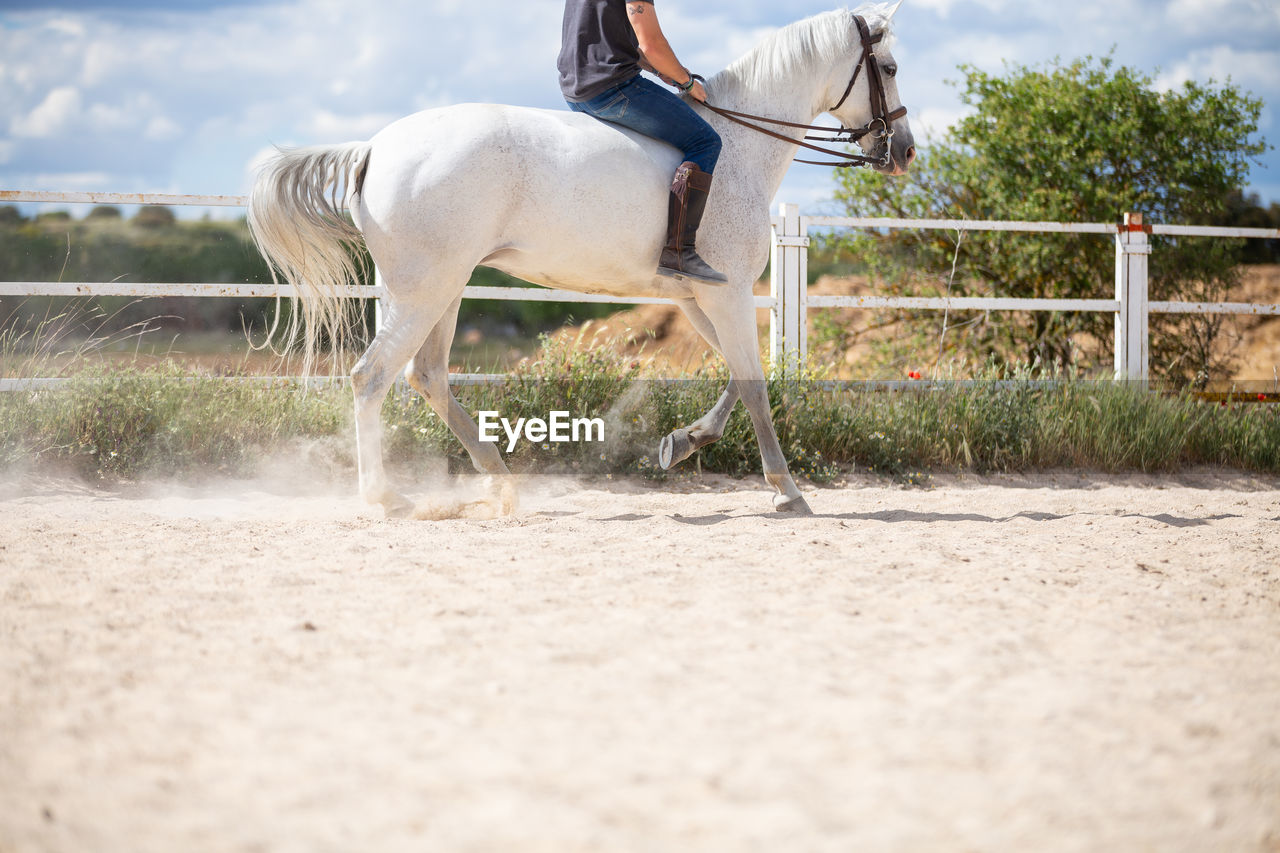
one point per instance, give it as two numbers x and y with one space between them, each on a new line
878 126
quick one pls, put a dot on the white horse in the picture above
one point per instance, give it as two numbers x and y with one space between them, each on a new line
560 199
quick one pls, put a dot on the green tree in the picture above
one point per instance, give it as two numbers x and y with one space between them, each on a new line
154 216
1247 212
104 212
154 246
1083 142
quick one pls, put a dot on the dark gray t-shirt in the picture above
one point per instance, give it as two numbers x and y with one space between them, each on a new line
598 48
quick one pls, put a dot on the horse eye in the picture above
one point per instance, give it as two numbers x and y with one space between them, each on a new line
890 70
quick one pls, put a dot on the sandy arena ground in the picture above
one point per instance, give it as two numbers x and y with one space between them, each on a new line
1010 664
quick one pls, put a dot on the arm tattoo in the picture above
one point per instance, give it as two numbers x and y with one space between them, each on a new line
635 8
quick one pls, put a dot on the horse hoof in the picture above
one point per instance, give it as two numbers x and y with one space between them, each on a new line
395 505
674 449
398 508
797 505
508 498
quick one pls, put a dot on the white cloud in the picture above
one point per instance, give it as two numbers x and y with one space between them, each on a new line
1205 16
259 159
105 118
51 117
324 124
66 25
687 26
943 8
102 59
186 99
1254 70
70 180
162 129
940 7
810 187
932 123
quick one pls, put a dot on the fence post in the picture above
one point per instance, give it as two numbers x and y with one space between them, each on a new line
1132 249
789 287
377 303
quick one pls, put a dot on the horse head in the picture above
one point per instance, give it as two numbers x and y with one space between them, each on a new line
864 91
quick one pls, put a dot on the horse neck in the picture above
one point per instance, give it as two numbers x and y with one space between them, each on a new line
762 158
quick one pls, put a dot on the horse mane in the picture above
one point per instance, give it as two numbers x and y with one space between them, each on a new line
825 38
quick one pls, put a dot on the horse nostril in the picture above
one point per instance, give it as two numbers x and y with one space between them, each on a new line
911 154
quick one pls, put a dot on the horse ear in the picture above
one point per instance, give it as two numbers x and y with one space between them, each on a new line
893 11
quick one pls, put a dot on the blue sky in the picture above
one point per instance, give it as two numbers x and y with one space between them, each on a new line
184 95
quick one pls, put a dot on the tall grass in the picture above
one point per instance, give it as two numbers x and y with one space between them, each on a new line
114 423
131 422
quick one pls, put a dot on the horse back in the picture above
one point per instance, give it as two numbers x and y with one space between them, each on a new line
539 193
517 152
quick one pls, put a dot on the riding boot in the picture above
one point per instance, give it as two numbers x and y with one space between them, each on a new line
685 206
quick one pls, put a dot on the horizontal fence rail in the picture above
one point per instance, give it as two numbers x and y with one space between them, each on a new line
961 303
788 302
129 288
350 291
126 198
1042 227
1213 308
958 224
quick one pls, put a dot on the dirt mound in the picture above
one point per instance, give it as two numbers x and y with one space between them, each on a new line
657 333
661 332
1258 354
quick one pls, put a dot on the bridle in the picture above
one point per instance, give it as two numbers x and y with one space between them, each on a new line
879 124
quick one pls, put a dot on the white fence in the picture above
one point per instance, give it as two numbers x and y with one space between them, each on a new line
789 301
1131 305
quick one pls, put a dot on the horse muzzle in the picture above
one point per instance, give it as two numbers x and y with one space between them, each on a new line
894 152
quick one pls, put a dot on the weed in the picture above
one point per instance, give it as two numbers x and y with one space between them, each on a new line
130 421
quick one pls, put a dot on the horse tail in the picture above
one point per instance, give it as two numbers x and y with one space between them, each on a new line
295 219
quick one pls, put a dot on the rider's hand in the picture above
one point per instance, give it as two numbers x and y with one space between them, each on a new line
699 94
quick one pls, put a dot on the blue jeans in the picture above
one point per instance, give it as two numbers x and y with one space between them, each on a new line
648 108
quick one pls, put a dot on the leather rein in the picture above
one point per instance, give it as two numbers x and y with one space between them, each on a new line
879 124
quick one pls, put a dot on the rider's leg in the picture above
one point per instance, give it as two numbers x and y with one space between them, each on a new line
648 108
685 206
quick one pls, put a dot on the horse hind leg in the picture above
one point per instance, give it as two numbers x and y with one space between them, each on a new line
428 374
407 323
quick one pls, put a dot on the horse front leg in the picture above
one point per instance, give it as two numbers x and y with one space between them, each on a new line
682 443
755 396
732 311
